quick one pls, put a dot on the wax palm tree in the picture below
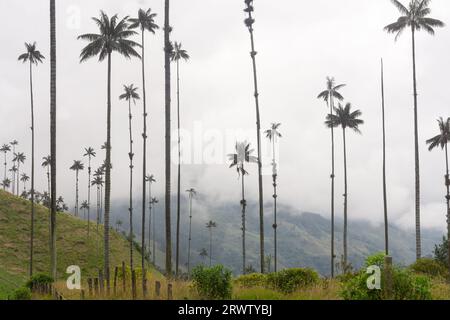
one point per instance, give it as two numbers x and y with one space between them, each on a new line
98 182
385 207
24 178
19 158
130 94
168 135
442 140
203 253
6 183
416 18
177 54
53 205
239 160
273 135
5 149
329 95
33 57
210 225
46 164
192 193
89 153
150 179
13 171
249 9
145 22
84 206
119 224
154 202
346 118
113 37
77 167
14 145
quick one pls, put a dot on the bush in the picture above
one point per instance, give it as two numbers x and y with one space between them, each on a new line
429 267
38 279
21 294
405 285
289 280
252 280
212 283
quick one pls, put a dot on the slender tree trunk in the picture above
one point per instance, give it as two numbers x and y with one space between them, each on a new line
447 184
167 49
416 143
333 255
154 237
144 166
179 170
190 236
108 180
76 195
131 155
210 246
345 203
243 207
32 173
386 222
258 136
149 220
18 178
89 196
53 138
275 197
98 206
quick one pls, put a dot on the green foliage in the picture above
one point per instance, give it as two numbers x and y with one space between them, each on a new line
441 252
376 260
429 267
212 283
405 285
21 294
289 280
39 279
252 280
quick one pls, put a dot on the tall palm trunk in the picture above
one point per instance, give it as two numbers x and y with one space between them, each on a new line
333 255
258 136
98 206
18 178
345 204
210 247
53 138
386 222
154 238
32 172
190 236
76 195
4 176
149 220
179 170
89 196
447 183
416 143
130 117
108 179
275 197
167 49
243 207
144 166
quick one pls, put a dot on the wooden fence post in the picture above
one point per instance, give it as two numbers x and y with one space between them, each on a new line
133 284
90 286
169 292
101 281
157 288
82 296
96 286
116 271
124 270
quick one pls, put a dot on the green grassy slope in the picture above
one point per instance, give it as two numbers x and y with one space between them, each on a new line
73 245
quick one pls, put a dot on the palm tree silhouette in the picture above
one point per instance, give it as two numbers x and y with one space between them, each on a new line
5 149
98 182
13 171
442 140
192 193
89 153
154 202
46 164
345 118
113 37
386 221
33 57
203 253
177 54
14 145
416 17
145 22
242 156
6 183
84 206
77 167
328 96
249 23
24 178
210 225
19 158
130 94
273 134
150 179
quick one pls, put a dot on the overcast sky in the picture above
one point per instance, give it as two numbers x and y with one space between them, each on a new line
299 44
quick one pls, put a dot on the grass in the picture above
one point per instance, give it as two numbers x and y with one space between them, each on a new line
73 245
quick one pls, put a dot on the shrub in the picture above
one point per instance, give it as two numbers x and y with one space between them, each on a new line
405 285
252 280
212 283
429 267
23 293
39 279
289 280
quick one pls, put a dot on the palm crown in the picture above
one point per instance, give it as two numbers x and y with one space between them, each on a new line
331 91
89 152
24 177
113 36
150 178
77 166
273 132
130 93
84 205
415 16
243 155
46 161
5 148
32 55
443 138
345 118
145 21
192 192
178 52
19 157
211 224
